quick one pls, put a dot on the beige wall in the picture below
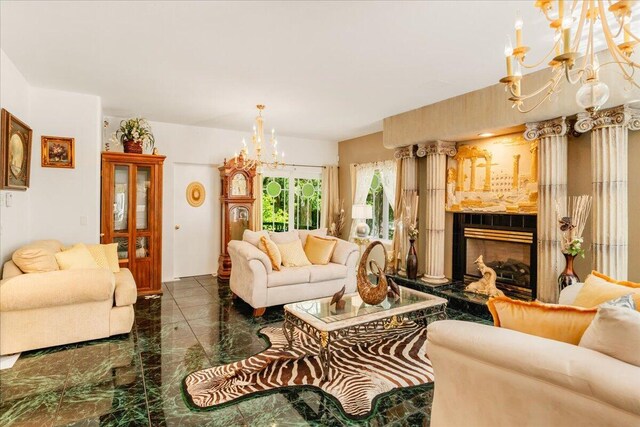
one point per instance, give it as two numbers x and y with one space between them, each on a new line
488 110
369 148
363 149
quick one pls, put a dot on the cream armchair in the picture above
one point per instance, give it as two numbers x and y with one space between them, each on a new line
40 310
254 280
488 376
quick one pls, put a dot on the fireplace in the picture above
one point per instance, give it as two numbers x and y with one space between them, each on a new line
507 245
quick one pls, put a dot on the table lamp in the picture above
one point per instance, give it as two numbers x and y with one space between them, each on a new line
362 212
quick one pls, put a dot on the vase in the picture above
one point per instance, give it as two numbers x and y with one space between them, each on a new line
132 147
412 261
568 276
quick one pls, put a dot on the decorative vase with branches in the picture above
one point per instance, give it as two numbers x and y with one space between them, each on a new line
135 134
571 228
337 225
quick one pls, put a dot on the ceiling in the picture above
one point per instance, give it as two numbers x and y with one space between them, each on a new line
325 70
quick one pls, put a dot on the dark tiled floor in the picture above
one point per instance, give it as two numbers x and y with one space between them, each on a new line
134 380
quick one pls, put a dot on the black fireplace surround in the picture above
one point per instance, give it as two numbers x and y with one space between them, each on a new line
508 245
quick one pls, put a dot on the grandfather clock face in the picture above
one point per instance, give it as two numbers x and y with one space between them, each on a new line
239 185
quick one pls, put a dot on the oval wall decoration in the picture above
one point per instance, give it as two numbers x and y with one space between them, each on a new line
195 194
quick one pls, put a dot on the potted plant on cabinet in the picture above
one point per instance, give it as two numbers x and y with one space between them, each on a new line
135 134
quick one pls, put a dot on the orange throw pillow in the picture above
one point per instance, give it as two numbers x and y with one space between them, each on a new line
617 282
557 322
595 291
319 250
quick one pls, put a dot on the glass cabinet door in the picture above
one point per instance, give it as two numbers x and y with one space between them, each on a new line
143 184
123 247
121 198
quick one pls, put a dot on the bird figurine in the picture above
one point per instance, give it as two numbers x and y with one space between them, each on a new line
337 299
394 289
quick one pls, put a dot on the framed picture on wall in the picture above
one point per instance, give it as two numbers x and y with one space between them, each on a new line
58 152
15 152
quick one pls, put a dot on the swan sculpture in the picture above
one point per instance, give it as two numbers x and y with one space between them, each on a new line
370 293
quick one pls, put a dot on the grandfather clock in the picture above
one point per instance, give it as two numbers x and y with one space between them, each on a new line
237 209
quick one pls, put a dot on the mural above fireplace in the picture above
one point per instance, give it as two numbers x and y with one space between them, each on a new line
494 175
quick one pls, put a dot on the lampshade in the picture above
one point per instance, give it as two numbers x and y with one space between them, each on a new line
361 212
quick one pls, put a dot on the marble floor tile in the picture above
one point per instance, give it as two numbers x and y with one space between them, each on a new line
135 379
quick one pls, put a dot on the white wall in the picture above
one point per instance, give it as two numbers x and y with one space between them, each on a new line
60 204
198 145
14 97
65 203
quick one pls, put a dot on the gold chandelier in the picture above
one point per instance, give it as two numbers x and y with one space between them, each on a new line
567 51
245 162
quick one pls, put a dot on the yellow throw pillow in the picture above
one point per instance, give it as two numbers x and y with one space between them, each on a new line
111 252
595 291
271 249
617 282
75 258
557 322
37 257
293 254
319 250
97 252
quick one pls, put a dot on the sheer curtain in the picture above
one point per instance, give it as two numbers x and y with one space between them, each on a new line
388 177
330 202
363 176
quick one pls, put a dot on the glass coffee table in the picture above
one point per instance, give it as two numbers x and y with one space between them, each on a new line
325 324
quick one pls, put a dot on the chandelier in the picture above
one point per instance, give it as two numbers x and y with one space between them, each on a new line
569 59
245 162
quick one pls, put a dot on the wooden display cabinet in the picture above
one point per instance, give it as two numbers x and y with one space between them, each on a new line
236 201
134 180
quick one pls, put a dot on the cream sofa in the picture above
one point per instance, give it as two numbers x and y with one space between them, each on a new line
488 376
40 310
255 281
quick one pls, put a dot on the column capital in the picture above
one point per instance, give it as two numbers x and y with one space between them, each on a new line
403 152
437 147
617 116
554 127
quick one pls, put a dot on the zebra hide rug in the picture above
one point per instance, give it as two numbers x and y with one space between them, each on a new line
362 368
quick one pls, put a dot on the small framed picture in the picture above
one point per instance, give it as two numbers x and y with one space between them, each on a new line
15 153
58 152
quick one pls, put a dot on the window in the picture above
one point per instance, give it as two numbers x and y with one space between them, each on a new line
291 202
275 204
307 206
381 225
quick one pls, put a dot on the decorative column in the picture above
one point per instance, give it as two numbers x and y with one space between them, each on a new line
516 172
533 173
487 172
434 192
460 179
472 181
552 190
609 162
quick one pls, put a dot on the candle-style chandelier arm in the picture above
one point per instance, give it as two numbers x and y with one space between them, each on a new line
550 88
547 56
574 60
625 63
259 142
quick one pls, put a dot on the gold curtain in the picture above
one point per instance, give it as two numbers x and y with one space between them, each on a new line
330 205
257 205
